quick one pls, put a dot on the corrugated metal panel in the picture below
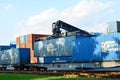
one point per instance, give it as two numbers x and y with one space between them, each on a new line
83 48
54 47
10 56
33 59
24 55
65 47
50 48
99 48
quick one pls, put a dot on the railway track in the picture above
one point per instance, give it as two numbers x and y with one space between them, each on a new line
70 73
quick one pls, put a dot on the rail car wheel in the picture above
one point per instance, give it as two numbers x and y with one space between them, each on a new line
42 68
16 68
2 68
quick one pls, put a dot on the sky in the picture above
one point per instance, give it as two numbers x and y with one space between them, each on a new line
22 17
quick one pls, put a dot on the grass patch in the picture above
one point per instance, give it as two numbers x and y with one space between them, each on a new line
42 77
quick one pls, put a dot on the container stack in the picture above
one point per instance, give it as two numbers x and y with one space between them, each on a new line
113 27
27 41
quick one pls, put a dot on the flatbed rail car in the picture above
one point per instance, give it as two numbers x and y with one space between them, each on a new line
17 59
78 49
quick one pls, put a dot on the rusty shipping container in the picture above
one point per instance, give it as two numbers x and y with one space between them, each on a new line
27 41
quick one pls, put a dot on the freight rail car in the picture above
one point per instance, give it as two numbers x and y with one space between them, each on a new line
17 59
77 49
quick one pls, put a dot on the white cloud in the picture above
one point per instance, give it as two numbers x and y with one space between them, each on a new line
8 6
87 14
40 23
42 17
101 28
19 24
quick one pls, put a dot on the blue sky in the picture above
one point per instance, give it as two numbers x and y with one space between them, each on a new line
21 17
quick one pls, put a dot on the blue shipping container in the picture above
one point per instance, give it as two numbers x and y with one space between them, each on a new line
82 48
99 48
15 56
4 47
109 46
54 47
12 45
24 55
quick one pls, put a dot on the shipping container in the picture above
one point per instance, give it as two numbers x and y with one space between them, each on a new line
9 57
27 41
99 48
113 27
12 45
54 47
109 46
24 55
0 57
15 56
81 48
4 47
